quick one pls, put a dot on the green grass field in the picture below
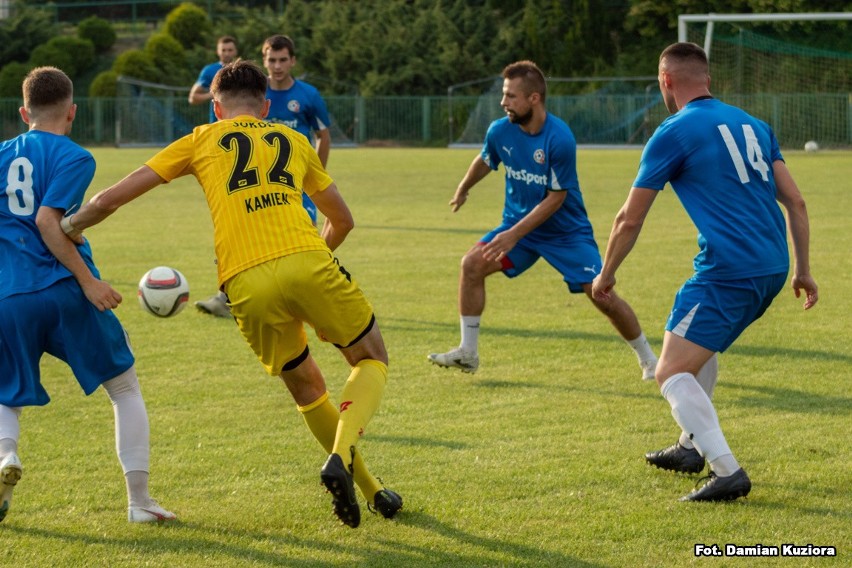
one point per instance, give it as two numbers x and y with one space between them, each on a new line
537 460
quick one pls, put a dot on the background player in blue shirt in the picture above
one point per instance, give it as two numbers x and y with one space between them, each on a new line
296 104
727 170
543 216
226 50
52 299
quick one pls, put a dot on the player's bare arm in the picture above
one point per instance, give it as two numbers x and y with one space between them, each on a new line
503 242
477 170
107 202
788 194
625 230
323 145
338 217
198 94
98 292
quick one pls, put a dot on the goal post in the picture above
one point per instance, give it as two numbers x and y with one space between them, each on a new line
793 70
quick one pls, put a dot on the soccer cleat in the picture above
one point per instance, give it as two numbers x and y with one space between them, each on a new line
649 369
339 483
10 473
386 502
215 306
457 358
677 458
153 513
721 488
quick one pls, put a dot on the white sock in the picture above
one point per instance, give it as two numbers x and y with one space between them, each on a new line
222 296
132 434
708 375
470 333
694 413
642 348
10 429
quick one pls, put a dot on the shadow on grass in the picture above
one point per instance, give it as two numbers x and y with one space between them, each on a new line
415 441
465 231
218 545
407 324
787 399
772 351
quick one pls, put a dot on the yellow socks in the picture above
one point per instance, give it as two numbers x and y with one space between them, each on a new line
358 402
321 418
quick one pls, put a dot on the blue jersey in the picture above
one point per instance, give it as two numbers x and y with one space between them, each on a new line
205 79
719 161
535 163
40 169
300 107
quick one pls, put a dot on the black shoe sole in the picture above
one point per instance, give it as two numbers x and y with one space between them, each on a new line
339 483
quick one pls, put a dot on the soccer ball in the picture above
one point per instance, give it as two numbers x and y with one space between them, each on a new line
811 146
163 292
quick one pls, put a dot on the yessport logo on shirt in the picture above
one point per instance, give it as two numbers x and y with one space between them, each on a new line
538 156
293 106
525 176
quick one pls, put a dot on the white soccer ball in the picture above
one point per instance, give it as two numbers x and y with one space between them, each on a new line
811 146
163 292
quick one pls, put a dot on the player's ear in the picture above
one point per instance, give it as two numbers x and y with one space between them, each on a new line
72 112
25 116
217 109
265 110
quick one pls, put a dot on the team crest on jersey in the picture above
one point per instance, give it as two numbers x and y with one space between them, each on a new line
293 106
538 156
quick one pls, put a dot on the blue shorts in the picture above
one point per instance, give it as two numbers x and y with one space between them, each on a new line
576 259
58 320
713 314
309 207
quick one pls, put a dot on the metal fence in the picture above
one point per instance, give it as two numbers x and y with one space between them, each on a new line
441 121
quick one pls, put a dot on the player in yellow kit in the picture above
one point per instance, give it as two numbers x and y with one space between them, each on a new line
277 270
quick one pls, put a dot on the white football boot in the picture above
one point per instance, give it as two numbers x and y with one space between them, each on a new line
457 358
10 473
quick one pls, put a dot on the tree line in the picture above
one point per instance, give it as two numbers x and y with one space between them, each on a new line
414 47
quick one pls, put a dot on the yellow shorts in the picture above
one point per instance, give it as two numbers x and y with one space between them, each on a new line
272 301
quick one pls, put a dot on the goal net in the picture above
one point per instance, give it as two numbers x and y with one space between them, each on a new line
792 70
610 111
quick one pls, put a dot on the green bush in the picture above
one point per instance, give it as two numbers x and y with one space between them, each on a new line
71 54
97 30
137 64
11 77
188 24
25 29
168 56
104 85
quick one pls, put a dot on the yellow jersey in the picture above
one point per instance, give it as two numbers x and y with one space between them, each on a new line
253 174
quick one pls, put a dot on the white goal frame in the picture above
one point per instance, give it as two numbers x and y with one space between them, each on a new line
683 21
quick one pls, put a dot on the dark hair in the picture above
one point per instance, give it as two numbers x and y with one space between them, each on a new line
277 43
531 76
240 79
227 39
45 87
685 52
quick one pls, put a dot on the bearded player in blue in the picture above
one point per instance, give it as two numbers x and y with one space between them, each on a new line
52 299
543 217
727 170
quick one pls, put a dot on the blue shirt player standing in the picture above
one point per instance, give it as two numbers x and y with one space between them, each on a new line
295 103
226 51
543 216
727 170
52 299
